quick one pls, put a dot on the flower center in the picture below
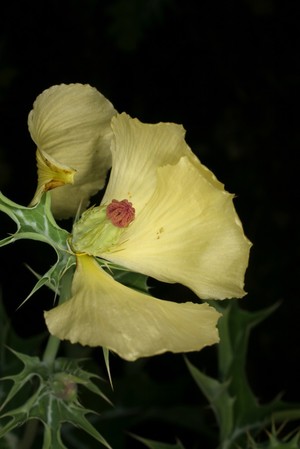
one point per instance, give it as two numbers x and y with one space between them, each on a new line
99 229
120 213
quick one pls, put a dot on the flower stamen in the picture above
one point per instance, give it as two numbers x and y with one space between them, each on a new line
120 213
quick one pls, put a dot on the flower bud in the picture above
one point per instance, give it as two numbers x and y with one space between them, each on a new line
64 387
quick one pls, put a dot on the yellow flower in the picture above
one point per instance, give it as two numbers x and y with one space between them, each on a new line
164 215
70 125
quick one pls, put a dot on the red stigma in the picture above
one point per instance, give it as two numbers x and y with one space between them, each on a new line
120 213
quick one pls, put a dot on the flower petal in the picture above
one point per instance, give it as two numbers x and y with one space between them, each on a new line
103 312
188 232
51 174
138 149
70 125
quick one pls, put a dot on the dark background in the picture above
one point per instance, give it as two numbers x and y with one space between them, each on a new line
228 71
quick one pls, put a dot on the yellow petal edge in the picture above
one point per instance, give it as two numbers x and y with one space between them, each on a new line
102 312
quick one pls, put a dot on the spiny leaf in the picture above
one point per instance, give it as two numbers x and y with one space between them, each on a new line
219 399
234 328
32 367
20 414
275 441
56 412
52 412
54 400
235 405
52 438
37 223
34 222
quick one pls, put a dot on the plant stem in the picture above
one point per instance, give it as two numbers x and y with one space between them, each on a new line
51 349
29 434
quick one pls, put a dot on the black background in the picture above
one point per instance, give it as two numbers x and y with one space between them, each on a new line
228 71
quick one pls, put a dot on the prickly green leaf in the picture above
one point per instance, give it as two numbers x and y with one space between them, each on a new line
230 396
273 440
52 412
32 367
54 400
56 412
52 439
219 399
37 223
20 414
234 328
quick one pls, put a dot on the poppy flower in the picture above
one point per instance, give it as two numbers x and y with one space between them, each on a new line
164 215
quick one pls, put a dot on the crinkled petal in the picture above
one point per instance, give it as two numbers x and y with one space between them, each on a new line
70 125
138 149
102 312
188 232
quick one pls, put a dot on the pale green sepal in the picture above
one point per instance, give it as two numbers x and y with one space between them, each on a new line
94 233
158 445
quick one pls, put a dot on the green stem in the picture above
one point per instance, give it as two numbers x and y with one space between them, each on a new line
53 344
51 349
29 434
